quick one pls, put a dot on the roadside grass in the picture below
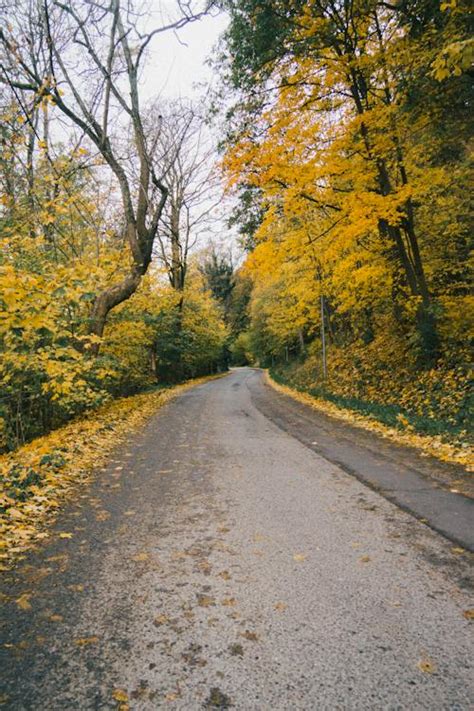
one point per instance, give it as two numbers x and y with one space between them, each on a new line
38 478
386 420
389 414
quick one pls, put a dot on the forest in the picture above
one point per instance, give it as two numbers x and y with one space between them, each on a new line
337 139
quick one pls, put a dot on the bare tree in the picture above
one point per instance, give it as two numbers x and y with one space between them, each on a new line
186 159
84 58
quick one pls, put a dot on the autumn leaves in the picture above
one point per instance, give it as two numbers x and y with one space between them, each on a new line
39 477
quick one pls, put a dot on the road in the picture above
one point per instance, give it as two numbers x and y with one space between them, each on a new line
220 561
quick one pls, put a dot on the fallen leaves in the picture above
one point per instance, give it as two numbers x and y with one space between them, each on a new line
280 606
161 620
429 445
205 601
469 614
365 559
84 641
55 618
121 696
299 557
63 534
102 516
62 461
236 650
251 636
76 588
427 666
229 602
23 601
171 696
141 557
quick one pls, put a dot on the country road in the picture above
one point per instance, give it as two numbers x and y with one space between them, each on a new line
231 557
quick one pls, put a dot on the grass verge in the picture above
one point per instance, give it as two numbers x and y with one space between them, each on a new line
429 445
39 477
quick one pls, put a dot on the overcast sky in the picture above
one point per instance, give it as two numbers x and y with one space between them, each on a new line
177 61
177 68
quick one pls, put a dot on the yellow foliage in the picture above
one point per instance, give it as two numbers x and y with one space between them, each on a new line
434 446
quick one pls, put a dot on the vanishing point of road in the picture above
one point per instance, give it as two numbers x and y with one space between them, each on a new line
246 552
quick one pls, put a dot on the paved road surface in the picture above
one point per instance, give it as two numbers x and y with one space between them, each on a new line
219 562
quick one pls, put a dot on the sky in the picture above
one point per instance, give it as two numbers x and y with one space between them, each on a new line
176 68
177 60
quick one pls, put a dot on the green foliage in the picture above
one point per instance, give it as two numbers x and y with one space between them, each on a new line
241 350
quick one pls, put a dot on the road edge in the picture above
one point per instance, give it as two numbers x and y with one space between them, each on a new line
426 445
66 459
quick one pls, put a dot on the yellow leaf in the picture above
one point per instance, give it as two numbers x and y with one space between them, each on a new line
160 620
229 602
119 695
280 606
469 614
205 601
15 513
426 666
299 557
251 636
56 618
23 601
140 557
364 559
65 535
83 641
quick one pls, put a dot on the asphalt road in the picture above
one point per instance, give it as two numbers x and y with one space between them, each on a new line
220 561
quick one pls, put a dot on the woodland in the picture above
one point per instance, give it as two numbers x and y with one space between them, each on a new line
340 133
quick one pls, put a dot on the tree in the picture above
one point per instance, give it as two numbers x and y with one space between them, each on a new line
343 66
83 60
185 157
218 272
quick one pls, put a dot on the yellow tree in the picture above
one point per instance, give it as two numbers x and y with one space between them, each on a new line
325 124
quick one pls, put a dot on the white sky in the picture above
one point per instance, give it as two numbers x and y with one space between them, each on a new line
176 63
176 68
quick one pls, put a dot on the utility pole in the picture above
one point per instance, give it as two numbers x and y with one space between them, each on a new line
323 340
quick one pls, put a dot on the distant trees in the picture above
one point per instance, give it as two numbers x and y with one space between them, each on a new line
185 156
231 289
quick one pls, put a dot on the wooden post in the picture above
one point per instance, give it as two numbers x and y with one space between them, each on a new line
323 340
